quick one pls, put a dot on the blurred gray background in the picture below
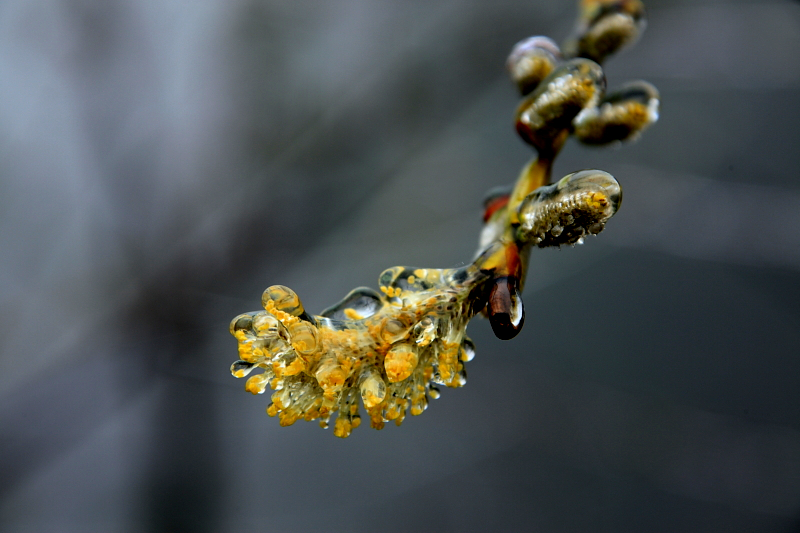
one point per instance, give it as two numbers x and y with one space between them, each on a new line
162 162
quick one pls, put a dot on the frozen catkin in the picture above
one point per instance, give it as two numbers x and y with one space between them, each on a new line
390 350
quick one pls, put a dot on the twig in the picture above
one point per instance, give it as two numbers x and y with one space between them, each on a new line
392 348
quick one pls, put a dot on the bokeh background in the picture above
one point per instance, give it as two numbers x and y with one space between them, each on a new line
162 162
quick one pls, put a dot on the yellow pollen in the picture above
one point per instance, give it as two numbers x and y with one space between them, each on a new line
597 200
352 314
283 316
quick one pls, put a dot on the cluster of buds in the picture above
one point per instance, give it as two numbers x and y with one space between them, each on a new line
391 350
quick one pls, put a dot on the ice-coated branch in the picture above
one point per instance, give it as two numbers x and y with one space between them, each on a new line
390 350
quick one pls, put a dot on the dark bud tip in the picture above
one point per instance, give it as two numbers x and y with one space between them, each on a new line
505 309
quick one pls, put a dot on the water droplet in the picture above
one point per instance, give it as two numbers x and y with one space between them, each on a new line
305 338
342 427
556 230
284 299
580 240
241 368
425 331
461 378
257 384
359 303
505 309
400 361
266 325
419 404
330 376
467 350
373 388
594 229
394 329
242 322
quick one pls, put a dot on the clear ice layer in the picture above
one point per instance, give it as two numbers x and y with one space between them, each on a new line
562 213
390 350
387 349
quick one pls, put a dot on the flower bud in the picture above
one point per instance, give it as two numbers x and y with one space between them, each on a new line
532 60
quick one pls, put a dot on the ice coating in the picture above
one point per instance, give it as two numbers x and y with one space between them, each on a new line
412 336
606 27
549 111
388 350
621 115
504 307
532 60
562 213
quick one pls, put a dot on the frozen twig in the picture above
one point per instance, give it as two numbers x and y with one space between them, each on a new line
392 349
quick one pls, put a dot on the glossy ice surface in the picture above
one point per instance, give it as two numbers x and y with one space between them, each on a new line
390 350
